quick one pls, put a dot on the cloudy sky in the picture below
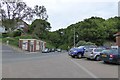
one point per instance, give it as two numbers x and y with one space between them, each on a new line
62 13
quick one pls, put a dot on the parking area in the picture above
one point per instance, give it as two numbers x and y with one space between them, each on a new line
97 69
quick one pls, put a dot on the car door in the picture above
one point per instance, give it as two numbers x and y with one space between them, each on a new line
88 52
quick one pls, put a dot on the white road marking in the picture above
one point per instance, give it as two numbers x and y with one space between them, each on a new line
83 68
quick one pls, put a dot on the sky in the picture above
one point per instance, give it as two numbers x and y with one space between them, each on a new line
63 13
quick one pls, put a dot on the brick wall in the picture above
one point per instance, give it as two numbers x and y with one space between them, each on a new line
118 39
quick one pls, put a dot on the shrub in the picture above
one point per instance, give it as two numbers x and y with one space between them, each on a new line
64 47
16 33
81 43
4 35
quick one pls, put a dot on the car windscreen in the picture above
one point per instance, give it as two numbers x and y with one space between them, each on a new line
89 50
98 50
73 49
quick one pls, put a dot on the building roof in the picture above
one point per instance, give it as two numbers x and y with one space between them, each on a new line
31 40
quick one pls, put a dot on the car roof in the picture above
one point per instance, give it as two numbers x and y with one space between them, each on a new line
116 50
81 47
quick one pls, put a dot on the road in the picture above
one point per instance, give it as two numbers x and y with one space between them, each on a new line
17 64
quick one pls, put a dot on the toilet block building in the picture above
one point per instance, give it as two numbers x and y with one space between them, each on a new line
31 45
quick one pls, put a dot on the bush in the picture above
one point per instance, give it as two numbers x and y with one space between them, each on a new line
64 47
81 43
49 45
12 41
16 33
25 37
4 35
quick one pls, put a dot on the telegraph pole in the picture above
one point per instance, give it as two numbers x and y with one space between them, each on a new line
74 37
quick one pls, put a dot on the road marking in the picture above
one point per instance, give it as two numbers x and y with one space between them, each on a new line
83 68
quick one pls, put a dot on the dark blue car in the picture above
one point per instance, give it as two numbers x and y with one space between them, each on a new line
76 52
110 56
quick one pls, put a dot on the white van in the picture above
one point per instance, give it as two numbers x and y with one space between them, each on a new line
114 47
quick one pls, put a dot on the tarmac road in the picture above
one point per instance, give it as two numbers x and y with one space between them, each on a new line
52 65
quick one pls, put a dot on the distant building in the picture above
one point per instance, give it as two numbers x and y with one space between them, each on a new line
2 29
32 45
22 26
119 8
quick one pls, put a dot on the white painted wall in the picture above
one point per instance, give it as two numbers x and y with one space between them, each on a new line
2 29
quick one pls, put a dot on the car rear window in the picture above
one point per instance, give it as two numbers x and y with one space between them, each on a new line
113 51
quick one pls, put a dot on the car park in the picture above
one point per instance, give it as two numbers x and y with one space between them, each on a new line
93 53
110 56
76 52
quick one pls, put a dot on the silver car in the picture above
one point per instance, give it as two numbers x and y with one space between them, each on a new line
93 53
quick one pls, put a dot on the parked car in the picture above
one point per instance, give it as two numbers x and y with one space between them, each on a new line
114 47
88 46
46 50
58 50
76 52
110 56
93 53
53 50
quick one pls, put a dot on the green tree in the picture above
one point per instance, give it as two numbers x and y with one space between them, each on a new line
11 12
39 28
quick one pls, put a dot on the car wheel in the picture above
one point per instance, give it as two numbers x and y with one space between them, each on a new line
97 58
118 63
79 56
88 58
105 62
73 56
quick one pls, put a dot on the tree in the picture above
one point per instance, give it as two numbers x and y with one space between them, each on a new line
54 38
12 12
112 26
41 12
95 29
39 28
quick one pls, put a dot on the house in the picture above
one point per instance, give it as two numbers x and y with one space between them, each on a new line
22 26
2 29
